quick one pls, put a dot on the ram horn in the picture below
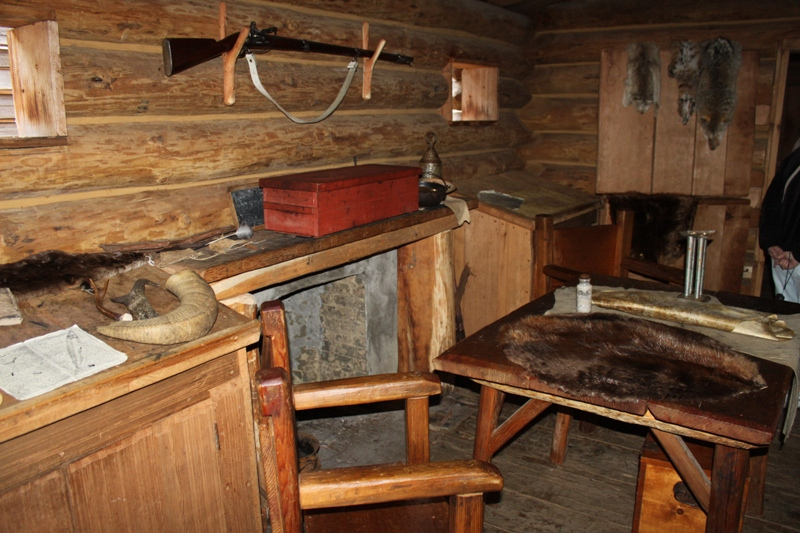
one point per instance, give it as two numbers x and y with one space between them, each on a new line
192 319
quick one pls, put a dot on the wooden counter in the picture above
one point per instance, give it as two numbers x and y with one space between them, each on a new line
163 441
425 264
497 247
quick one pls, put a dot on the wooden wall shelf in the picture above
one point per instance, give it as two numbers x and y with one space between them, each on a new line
473 92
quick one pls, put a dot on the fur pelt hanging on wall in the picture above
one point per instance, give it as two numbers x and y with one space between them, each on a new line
685 68
643 84
628 359
706 73
720 60
658 222
56 270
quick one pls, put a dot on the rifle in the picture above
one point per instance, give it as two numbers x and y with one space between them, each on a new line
183 53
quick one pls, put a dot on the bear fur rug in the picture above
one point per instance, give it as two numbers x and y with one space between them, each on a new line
628 359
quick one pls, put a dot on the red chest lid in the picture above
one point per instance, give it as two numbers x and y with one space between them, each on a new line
339 178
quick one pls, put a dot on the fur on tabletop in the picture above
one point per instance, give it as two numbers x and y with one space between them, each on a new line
625 359
55 270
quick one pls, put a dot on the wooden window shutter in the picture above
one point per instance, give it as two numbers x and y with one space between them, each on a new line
36 78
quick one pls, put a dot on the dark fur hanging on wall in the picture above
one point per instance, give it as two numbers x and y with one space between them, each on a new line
658 222
55 270
643 84
627 359
685 68
720 60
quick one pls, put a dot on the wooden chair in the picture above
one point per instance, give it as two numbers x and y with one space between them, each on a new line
562 254
351 496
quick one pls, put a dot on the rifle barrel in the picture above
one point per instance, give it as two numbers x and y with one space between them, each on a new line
182 53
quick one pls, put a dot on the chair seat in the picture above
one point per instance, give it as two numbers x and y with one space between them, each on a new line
360 485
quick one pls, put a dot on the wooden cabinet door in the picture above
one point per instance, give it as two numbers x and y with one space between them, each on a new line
161 478
41 505
178 455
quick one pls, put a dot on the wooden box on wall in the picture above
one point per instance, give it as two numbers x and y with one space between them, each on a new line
473 92
317 203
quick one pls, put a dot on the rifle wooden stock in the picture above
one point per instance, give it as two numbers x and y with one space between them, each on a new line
183 53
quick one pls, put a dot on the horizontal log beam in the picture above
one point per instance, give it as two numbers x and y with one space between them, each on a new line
565 47
175 152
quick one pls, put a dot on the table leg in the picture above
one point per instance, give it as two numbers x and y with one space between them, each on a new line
488 414
755 486
728 477
558 450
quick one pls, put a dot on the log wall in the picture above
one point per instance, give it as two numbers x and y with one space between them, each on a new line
152 158
564 83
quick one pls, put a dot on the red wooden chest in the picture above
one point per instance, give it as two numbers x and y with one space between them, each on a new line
326 201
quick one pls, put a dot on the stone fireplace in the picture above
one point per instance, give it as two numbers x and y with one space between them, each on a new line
341 322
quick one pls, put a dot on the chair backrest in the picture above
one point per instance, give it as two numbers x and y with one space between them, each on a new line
561 254
594 249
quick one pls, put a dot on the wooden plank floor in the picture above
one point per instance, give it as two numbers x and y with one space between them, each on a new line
594 490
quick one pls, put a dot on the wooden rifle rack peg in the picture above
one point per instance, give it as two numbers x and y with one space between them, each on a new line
366 87
229 58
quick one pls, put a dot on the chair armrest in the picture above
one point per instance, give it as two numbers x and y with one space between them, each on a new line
658 272
560 273
361 485
365 389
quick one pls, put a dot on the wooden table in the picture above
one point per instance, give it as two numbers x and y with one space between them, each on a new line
735 427
163 441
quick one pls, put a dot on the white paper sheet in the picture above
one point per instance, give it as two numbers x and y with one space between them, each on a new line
43 364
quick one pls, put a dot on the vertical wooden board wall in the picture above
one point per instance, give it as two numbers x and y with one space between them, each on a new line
739 157
673 154
725 255
633 147
624 145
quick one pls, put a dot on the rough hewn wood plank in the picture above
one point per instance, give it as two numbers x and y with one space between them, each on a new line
624 145
561 147
86 225
565 15
132 23
152 154
130 83
570 78
578 177
547 48
565 114
738 161
480 18
673 153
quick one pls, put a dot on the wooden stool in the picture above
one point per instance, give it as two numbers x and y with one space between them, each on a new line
663 502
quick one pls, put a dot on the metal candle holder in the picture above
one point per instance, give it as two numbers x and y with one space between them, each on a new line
694 271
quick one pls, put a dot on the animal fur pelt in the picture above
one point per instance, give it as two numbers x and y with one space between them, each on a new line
720 60
658 222
56 270
628 359
643 84
685 68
